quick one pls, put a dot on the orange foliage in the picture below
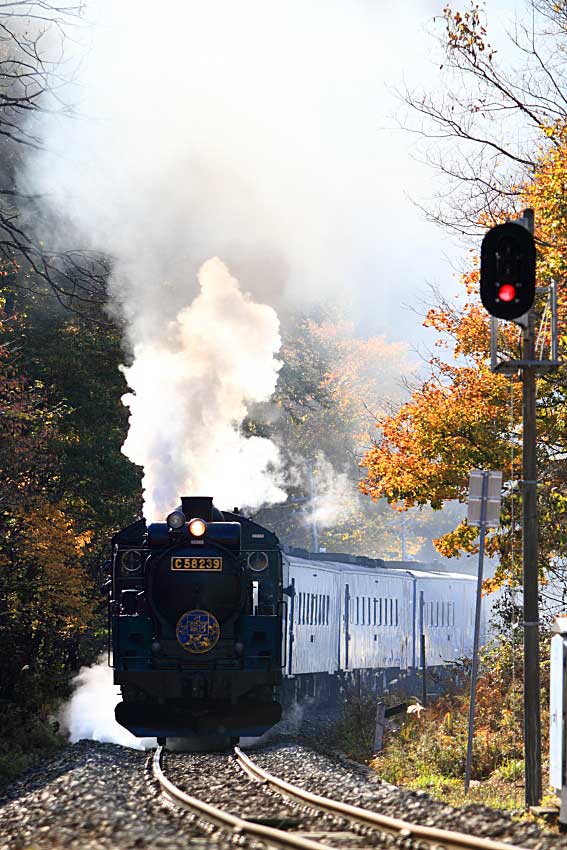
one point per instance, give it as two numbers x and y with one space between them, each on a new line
454 423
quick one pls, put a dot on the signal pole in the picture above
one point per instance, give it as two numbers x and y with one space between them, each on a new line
532 720
507 290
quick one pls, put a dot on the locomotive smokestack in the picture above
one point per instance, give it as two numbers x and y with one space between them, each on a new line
197 506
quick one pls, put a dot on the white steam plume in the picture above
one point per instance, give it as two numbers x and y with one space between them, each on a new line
242 130
333 494
191 388
90 711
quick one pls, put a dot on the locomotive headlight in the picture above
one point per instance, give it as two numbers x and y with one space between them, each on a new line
176 519
197 527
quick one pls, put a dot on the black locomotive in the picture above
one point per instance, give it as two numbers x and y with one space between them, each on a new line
195 618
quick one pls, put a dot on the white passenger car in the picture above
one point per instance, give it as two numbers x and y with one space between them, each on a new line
358 619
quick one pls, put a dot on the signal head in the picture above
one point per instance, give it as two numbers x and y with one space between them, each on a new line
507 271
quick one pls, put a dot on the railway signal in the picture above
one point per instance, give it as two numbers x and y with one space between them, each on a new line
507 271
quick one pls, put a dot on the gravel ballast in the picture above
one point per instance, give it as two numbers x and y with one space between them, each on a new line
94 795
332 778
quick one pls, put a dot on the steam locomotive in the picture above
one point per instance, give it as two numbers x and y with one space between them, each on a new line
213 628
195 616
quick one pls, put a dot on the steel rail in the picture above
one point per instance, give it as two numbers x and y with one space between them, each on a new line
224 820
443 839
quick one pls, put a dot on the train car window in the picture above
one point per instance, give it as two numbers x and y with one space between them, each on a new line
380 611
450 613
328 608
385 612
437 613
391 612
397 614
442 613
431 620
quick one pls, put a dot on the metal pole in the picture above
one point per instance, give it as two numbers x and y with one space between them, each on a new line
554 338
314 531
493 342
532 721
474 673
423 673
422 649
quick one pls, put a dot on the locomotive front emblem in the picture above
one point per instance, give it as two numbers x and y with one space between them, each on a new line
198 631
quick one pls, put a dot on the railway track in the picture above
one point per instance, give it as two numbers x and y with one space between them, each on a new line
369 828
240 828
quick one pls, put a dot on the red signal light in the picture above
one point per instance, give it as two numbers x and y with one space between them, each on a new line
507 271
507 292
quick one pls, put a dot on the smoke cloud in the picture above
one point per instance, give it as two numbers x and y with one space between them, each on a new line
191 387
246 131
90 711
333 494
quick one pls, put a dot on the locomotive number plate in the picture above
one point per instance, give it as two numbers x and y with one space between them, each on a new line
211 565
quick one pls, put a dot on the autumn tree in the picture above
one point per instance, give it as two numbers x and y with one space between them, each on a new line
44 590
464 416
36 77
484 126
333 384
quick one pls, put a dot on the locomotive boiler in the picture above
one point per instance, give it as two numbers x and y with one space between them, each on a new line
195 617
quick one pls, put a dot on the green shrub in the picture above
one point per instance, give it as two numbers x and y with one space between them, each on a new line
24 742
